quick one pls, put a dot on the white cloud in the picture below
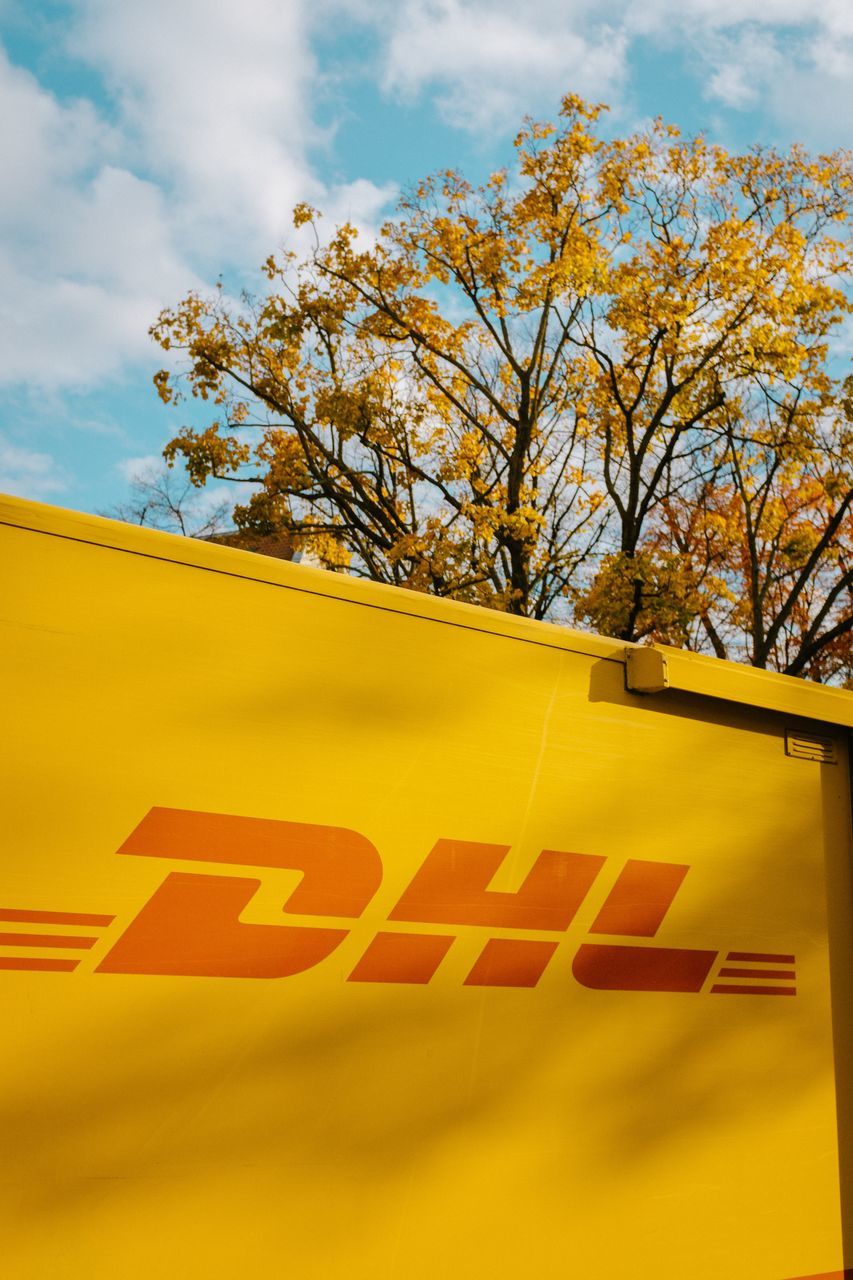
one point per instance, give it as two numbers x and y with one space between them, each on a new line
487 63
86 245
190 166
792 58
716 15
361 203
72 136
812 97
490 61
213 101
28 473
144 468
805 85
203 141
742 67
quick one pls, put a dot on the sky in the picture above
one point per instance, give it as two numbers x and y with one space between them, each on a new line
150 147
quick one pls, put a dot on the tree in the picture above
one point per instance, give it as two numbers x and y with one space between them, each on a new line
161 500
596 388
751 557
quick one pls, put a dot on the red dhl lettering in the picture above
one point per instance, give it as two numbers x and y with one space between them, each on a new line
191 927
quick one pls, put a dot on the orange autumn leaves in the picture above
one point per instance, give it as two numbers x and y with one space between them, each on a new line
602 387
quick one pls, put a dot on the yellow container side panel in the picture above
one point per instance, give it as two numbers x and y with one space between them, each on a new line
341 942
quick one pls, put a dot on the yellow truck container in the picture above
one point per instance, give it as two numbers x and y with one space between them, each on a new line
351 933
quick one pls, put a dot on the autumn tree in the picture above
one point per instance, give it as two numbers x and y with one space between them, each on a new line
160 499
597 388
764 544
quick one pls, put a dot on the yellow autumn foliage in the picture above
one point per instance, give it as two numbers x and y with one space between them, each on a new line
602 387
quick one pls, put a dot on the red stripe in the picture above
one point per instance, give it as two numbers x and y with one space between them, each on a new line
37 962
53 917
46 940
759 955
847 1274
618 968
757 973
735 990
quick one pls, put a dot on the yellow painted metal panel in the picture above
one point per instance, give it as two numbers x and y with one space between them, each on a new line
549 1071
243 564
650 669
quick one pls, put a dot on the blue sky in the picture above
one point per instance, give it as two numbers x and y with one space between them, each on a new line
150 146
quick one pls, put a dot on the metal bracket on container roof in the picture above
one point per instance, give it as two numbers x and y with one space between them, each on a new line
651 669
645 670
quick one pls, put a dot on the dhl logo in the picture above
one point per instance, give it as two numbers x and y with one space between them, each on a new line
191 927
